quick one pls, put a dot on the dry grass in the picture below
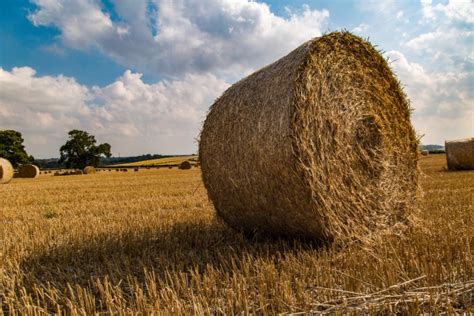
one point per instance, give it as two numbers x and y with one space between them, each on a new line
131 243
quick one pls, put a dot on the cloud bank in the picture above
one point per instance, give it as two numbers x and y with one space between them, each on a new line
135 117
200 48
175 37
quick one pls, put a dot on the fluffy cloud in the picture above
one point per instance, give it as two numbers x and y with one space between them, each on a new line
175 37
457 10
361 28
134 116
442 100
440 84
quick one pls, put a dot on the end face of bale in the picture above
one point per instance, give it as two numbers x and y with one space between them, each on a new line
6 171
460 154
185 165
28 171
89 170
318 144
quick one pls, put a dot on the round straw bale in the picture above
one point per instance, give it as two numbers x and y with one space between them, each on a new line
460 154
6 171
425 152
89 170
136 169
78 172
185 165
28 171
317 145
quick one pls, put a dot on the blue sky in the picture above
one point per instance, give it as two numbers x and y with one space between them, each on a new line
141 74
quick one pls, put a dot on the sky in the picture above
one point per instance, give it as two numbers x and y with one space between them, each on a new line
142 74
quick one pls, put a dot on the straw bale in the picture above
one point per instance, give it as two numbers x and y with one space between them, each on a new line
185 165
460 154
318 144
28 171
6 171
89 170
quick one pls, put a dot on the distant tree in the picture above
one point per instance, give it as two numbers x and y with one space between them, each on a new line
81 150
12 148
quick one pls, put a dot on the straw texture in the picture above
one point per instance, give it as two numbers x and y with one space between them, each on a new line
28 171
6 171
318 144
460 154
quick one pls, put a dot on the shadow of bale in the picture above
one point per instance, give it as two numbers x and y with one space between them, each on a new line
120 257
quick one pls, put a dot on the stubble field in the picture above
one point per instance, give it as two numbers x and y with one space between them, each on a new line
149 242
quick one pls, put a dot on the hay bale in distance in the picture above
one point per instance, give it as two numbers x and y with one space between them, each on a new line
78 172
89 170
136 169
425 152
318 145
185 165
28 171
6 171
460 154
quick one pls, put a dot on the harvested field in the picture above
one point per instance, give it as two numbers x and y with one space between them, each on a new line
150 242
176 160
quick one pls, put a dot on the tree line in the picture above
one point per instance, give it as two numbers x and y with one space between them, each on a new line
79 151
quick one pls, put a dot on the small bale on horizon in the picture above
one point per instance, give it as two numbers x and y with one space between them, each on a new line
89 170
460 154
185 165
6 171
28 171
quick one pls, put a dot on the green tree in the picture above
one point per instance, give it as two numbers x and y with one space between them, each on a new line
81 150
12 148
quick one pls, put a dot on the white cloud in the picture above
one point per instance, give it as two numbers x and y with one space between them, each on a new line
81 22
446 45
440 84
441 100
134 116
454 10
181 36
361 28
377 6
